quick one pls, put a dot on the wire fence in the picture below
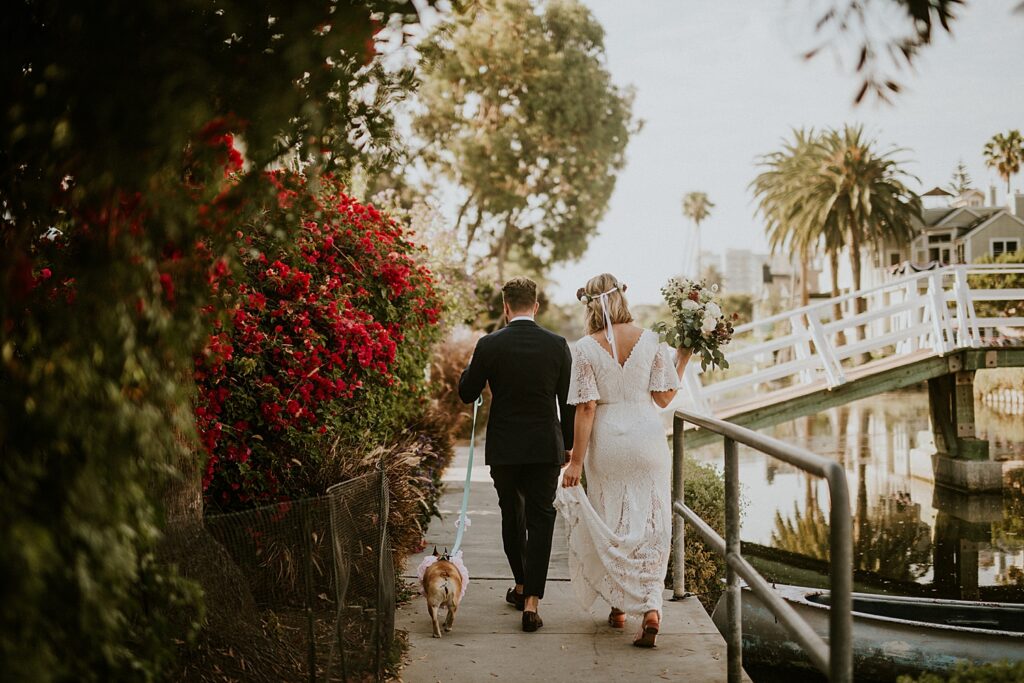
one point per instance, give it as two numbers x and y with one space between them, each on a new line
311 581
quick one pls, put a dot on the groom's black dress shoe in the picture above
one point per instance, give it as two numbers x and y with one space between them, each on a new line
531 622
518 600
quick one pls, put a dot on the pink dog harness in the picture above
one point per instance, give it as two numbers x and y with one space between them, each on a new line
455 559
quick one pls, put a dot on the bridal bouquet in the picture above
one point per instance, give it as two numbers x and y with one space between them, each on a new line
698 323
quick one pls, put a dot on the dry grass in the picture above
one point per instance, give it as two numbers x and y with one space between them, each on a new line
447 409
413 467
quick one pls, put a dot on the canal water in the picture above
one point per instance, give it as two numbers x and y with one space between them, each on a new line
911 537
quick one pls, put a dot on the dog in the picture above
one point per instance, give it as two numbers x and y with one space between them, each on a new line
442 583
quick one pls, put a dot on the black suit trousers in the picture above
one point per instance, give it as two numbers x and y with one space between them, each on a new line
526 495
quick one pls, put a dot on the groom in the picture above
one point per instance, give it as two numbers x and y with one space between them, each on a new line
527 368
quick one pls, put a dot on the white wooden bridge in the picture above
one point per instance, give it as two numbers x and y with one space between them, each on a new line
915 328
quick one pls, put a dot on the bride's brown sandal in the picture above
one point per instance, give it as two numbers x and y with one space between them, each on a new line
648 632
617 618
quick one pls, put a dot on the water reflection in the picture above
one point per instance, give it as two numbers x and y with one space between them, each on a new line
910 536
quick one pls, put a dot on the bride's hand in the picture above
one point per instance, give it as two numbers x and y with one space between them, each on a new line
571 475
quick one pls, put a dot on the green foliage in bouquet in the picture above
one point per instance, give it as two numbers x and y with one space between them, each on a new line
698 322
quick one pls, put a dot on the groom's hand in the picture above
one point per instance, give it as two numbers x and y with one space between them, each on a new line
571 475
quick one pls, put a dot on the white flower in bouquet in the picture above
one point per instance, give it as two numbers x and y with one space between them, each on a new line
690 305
698 323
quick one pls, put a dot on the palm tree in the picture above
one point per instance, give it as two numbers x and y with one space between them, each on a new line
835 190
859 196
779 190
1004 153
697 207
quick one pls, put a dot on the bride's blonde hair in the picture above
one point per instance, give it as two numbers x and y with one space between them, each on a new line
618 307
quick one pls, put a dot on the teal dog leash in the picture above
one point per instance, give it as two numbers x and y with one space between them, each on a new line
461 524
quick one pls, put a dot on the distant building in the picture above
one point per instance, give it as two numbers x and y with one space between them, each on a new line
962 231
972 198
743 271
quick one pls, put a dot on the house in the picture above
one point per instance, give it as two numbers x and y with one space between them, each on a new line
963 230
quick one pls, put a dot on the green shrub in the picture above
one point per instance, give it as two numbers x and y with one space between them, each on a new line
704 494
996 309
964 672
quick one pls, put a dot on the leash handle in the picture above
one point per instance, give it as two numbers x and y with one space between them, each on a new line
469 474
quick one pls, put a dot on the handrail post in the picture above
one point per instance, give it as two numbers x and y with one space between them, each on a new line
965 298
942 330
840 625
734 610
678 530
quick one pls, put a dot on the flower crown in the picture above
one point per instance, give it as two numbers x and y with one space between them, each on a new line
581 293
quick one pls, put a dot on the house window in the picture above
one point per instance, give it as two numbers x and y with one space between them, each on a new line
960 253
938 239
1000 247
894 258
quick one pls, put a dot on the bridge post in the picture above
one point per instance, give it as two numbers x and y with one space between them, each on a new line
678 555
961 460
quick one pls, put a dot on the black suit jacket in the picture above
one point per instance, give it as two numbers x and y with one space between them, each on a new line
527 368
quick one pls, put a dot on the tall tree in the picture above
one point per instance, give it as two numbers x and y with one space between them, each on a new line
860 193
779 190
697 207
961 180
1004 154
879 57
833 188
520 113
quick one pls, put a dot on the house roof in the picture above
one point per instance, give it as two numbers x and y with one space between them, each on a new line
957 220
937 192
986 221
940 218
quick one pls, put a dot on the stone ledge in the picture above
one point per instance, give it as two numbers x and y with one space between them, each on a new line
968 475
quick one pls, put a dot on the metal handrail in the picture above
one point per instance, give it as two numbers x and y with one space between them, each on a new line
834 659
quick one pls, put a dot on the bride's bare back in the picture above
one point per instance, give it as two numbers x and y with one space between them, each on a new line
626 337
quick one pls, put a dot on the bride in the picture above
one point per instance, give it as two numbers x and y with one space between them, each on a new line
619 528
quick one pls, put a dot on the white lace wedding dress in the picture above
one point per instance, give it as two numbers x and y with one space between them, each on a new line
620 528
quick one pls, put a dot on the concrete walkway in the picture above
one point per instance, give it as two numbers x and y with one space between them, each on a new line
488 644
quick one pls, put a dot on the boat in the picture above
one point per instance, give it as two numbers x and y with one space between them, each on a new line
892 635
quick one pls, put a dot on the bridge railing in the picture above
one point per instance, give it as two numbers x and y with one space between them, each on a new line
835 659
931 312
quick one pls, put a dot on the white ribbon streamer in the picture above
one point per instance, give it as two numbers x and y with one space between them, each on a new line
608 333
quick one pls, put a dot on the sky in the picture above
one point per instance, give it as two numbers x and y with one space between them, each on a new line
720 83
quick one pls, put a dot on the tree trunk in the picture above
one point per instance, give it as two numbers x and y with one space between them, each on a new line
805 267
471 233
855 265
503 247
837 308
461 215
833 262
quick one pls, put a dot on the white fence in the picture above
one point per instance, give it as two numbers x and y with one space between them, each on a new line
928 313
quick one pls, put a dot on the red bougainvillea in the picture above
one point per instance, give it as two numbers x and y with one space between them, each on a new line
325 337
